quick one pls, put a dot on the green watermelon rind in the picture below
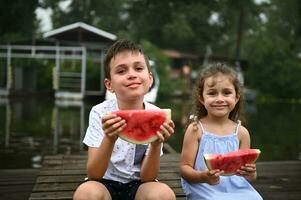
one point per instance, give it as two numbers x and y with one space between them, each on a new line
152 138
208 157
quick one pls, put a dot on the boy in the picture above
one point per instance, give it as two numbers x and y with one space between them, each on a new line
117 169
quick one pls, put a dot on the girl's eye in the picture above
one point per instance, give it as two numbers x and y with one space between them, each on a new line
211 93
227 92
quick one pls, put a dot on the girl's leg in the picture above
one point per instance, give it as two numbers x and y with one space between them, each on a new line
92 190
154 191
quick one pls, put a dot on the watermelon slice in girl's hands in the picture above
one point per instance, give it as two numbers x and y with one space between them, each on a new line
142 125
231 161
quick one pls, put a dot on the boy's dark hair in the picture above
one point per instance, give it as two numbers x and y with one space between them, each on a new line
211 71
118 47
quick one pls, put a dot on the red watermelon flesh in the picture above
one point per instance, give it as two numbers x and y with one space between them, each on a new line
142 125
231 161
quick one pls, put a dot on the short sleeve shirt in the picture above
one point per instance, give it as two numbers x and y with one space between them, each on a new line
125 162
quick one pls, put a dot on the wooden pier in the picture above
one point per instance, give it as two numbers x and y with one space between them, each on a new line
60 175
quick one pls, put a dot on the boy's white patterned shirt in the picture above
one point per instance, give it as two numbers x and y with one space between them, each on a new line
125 162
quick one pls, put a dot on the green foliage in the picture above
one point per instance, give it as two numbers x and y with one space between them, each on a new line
17 20
266 34
93 81
279 139
275 67
41 68
167 85
105 14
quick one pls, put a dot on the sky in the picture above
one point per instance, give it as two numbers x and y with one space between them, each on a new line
44 15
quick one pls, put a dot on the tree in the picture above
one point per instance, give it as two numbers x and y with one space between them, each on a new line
274 49
266 34
108 15
17 20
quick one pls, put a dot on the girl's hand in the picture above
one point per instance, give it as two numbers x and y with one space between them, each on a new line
213 176
248 171
167 130
112 125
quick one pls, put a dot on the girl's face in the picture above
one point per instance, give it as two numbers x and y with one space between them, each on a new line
219 95
130 77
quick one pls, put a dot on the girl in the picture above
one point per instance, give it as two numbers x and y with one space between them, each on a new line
216 129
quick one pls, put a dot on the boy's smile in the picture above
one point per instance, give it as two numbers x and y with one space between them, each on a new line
133 85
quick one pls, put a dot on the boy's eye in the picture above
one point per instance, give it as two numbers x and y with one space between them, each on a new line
120 71
139 68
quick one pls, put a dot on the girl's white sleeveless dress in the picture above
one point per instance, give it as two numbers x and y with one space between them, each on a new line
230 187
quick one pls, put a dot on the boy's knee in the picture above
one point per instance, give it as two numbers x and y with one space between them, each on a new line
157 191
167 193
91 191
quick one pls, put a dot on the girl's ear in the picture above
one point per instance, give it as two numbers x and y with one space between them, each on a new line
200 99
108 85
237 98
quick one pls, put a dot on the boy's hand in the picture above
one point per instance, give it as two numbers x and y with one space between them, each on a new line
167 130
213 176
248 171
112 125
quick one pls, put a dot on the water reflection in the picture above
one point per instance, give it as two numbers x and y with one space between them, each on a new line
33 127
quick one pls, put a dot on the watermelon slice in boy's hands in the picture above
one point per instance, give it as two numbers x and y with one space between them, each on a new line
231 161
142 125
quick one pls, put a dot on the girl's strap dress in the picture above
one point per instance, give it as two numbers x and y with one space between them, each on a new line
230 187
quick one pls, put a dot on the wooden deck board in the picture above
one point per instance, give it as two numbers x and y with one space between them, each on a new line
16 184
60 175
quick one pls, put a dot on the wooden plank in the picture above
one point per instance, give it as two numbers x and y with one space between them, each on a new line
61 174
16 184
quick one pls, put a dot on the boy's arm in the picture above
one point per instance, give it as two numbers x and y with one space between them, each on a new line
99 158
151 163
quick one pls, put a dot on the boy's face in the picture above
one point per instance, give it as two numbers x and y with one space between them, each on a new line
130 77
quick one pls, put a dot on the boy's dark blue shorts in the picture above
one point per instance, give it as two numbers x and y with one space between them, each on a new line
121 191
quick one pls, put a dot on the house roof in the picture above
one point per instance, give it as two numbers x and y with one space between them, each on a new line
179 55
80 32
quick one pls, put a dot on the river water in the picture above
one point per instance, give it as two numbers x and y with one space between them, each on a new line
33 127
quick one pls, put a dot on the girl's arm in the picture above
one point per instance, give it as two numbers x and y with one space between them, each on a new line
150 166
249 170
189 155
244 138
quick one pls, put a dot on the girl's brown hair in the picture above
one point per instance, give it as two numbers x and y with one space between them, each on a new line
199 110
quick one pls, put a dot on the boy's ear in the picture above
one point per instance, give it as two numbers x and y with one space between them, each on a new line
108 85
151 78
